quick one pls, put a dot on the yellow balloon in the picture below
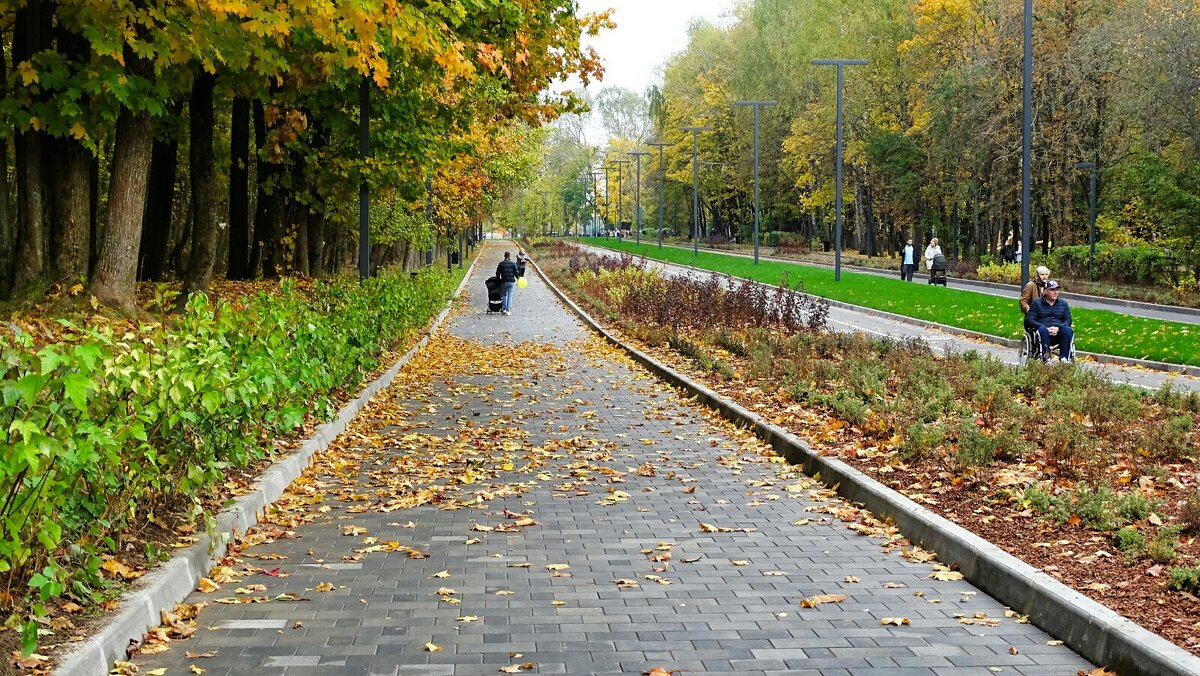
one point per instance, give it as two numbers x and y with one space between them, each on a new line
522 283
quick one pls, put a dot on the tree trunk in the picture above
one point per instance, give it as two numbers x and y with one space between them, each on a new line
116 271
268 210
239 190
204 187
72 224
316 241
300 253
30 31
8 231
156 223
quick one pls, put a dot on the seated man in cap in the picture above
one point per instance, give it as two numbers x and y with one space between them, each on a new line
1051 318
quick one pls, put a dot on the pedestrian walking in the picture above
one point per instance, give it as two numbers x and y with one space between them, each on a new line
522 259
908 261
1008 252
930 251
507 272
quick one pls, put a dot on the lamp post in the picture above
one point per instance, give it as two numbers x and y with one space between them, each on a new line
757 105
1091 167
661 181
837 256
696 186
364 151
620 165
595 203
607 194
1027 145
637 195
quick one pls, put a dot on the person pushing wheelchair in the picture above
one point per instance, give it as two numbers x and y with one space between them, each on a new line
1050 317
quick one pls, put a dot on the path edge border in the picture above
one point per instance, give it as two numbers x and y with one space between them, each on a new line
1099 357
174 579
1094 631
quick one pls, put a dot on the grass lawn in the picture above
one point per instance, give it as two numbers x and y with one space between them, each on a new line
1098 331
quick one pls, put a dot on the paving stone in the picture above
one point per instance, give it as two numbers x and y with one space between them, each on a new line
715 617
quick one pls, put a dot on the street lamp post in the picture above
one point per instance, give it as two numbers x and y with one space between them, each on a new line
637 194
620 165
1027 145
595 203
607 194
757 105
837 256
1091 167
696 186
661 181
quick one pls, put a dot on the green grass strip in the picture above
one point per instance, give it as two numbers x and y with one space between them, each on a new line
1099 331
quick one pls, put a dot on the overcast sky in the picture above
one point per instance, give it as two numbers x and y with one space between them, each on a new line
648 32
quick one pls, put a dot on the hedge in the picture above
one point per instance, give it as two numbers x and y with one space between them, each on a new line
105 430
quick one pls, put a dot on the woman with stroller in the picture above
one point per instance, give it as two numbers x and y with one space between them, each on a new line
930 251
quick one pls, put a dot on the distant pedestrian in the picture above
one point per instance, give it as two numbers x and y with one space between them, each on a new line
1008 252
507 272
930 251
522 259
1018 254
908 261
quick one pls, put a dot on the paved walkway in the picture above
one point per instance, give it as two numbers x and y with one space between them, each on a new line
525 498
842 319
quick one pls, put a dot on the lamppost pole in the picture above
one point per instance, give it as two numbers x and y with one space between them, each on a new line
545 212
606 197
1091 167
661 181
637 195
364 199
1027 145
595 203
837 257
696 186
757 105
620 165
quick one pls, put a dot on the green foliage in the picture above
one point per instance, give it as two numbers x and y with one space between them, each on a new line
1038 499
1130 541
1162 548
1184 579
105 427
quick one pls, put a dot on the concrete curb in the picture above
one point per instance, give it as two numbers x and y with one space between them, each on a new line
172 581
1152 365
1089 628
1015 289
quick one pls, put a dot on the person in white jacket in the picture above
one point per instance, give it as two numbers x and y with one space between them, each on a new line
930 251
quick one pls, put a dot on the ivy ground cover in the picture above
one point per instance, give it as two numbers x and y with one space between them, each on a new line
1098 331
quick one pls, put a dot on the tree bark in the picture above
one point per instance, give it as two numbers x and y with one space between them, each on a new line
268 210
72 223
160 200
300 253
8 232
116 271
316 242
30 31
204 187
239 190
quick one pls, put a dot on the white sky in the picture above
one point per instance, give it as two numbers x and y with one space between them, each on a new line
648 32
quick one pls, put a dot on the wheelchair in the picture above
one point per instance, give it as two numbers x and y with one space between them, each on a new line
1031 345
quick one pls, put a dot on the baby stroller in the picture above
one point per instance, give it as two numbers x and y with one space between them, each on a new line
495 291
937 270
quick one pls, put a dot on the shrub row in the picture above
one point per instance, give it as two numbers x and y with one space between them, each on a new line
105 431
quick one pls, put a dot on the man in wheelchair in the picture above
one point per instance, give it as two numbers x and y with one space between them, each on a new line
1050 318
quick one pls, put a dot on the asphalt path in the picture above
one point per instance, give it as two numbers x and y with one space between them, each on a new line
842 319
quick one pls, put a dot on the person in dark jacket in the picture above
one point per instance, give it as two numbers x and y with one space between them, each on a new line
507 272
1051 318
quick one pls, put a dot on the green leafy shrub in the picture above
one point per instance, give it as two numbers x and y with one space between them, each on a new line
1183 579
1190 515
1130 541
107 428
921 440
1039 500
1009 273
1135 506
1162 548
